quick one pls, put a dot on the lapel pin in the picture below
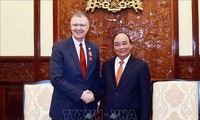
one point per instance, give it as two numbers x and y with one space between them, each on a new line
90 54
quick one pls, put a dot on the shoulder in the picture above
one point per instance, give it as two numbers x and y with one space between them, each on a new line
62 43
92 45
137 61
109 61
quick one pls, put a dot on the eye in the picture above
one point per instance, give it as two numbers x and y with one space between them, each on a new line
80 25
124 43
75 25
83 25
117 44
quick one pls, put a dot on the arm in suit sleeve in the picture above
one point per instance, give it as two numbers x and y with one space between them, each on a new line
57 79
97 71
145 93
96 76
99 94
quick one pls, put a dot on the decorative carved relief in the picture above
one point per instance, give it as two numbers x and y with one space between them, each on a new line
186 70
114 5
17 70
150 32
45 71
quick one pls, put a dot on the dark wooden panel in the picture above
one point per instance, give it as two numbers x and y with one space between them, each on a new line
16 71
2 103
176 39
11 102
21 69
186 70
16 59
195 37
199 71
45 71
37 39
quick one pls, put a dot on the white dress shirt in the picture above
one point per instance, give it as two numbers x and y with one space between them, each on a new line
117 64
76 43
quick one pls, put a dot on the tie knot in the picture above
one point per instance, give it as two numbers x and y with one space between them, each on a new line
121 62
80 44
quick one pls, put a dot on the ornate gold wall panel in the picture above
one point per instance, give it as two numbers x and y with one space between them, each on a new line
151 31
114 5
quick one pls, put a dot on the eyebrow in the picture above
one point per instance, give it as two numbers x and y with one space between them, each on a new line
119 42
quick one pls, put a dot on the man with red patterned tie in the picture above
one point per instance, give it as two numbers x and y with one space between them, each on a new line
74 72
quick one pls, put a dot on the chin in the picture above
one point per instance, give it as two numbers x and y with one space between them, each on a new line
79 38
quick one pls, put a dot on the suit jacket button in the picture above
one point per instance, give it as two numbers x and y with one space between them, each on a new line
116 93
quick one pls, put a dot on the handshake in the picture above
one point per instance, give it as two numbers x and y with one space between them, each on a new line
87 96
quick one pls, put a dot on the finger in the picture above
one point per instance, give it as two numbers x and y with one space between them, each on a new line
88 91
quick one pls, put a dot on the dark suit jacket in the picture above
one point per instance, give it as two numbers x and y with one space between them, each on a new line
66 78
131 99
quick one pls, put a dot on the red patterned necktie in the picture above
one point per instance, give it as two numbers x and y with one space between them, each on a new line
82 60
119 72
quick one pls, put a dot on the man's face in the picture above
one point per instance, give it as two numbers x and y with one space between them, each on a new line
79 27
122 46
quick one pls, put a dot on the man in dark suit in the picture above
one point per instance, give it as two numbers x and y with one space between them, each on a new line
125 85
74 72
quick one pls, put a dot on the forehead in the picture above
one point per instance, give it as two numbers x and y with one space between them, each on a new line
121 38
79 19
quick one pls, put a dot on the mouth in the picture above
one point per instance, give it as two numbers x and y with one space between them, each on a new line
121 51
79 31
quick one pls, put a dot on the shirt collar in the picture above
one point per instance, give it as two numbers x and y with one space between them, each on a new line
76 42
117 60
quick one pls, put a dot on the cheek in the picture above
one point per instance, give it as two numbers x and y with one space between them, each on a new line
128 47
115 49
86 29
72 29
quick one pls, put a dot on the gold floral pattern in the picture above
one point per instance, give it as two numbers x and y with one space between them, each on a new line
114 5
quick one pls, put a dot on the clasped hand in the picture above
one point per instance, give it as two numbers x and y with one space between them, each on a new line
87 96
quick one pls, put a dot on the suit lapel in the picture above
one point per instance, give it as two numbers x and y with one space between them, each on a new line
89 62
112 70
73 53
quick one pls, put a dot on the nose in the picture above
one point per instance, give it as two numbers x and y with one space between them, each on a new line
78 27
121 46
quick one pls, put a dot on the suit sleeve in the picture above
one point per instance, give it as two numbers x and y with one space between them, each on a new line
99 94
145 89
97 71
57 79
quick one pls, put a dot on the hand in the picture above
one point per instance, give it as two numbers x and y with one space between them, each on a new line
87 96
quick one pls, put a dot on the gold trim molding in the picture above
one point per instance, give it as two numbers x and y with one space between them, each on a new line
114 5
